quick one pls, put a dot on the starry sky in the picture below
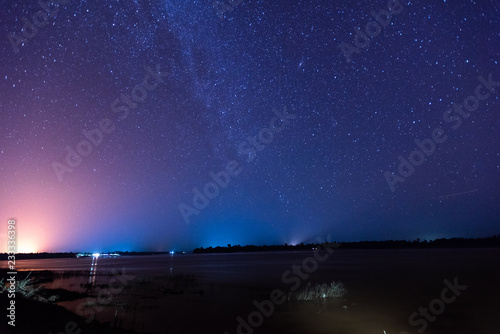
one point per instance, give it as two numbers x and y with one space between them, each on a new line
159 125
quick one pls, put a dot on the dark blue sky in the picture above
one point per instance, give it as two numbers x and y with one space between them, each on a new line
153 125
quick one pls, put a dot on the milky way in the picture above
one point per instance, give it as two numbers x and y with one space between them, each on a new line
158 125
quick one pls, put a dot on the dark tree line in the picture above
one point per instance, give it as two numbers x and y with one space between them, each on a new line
492 242
253 248
387 244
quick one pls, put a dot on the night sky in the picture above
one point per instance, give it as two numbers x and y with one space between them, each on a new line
160 125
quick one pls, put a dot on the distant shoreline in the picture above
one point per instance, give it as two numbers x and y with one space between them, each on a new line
65 255
489 242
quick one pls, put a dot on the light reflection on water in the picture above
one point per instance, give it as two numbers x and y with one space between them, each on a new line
223 267
171 262
246 267
93 270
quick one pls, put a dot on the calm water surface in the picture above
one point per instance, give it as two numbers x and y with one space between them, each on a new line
269 267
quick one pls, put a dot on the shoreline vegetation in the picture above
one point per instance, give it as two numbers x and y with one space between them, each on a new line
39 310
493 241
488 242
